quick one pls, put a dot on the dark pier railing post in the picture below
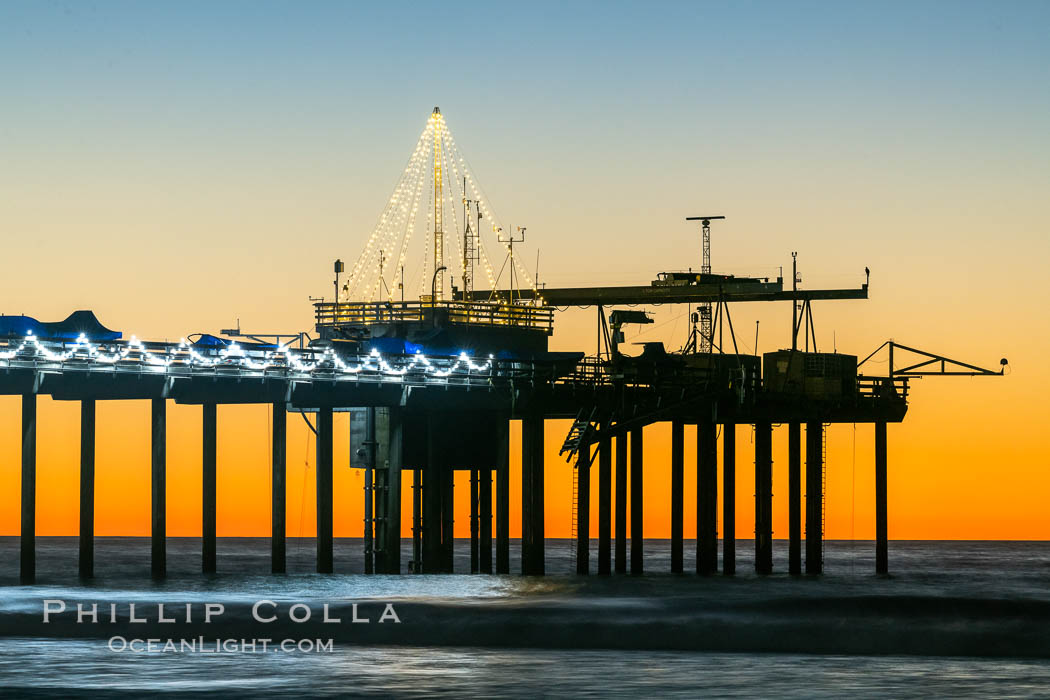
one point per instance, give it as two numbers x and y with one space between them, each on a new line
729 499
485 508
87 488
208 431
278 494
882 564
27 569
794 498
475 529
503 499
707 497
621 502
583 512
324 490
532 496
637 536
814 493
763 498
677 493
391 523
159 440
604 502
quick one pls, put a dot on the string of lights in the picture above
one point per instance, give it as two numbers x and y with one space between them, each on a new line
185 354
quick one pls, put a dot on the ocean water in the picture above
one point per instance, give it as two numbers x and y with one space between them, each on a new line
967 619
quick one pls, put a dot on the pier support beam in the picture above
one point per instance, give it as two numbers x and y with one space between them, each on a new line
604 503
707 498
532 554
417 521
324 490
448 499
27 569
794 499
503 499
814 498
729 499
621 503
882 564
485 514
637 541
87 488
677 493
208 434
475 525
371 453
388 557
583 511
431 525
763 498
278 493
159 452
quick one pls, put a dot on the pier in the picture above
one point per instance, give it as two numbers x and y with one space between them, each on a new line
433 383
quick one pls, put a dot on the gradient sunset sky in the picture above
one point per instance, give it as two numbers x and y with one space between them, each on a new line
178 166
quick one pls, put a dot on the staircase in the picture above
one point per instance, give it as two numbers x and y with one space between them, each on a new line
581 428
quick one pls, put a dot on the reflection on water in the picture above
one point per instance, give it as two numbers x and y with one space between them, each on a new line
75 667
558 635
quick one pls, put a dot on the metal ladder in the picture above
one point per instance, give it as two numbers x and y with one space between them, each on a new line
574 515
576 438
823 487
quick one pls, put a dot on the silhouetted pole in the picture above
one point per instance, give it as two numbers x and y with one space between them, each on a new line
278 493
677 493
532 495
763 498
208 435
604 502
391 559
417 520
503 498
324 490
794 498
158 441
448 496
707 498
432 503
485 508
882 565
475 526
87 488
729 499
368 532
27 570
637 541
621 502
583 511
814 492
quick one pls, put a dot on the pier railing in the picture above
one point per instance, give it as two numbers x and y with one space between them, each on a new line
477 313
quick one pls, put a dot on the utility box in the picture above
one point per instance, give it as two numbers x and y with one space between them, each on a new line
813 374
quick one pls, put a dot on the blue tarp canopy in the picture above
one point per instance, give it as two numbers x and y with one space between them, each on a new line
77 323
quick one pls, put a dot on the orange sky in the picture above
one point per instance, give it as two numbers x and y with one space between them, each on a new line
175 175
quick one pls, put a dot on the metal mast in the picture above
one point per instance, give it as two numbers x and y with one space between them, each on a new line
469 249
439 236
705 269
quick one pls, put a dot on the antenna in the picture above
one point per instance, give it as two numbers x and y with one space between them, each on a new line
705 269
